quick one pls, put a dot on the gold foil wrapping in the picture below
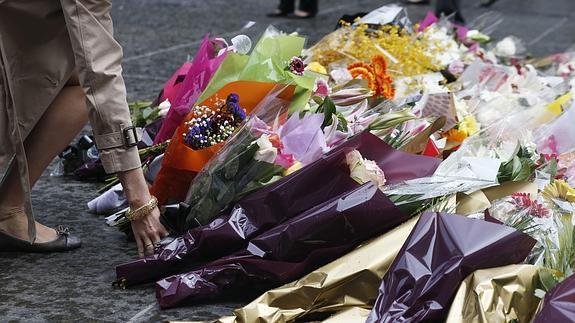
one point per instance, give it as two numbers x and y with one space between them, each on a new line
347 287
478 201
351 315
351 281
503 294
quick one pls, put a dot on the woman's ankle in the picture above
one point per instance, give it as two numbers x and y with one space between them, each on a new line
14 222
10 212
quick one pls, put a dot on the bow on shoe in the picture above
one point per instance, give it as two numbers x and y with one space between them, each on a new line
63 231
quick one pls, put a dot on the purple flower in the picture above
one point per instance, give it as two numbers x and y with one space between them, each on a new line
239 113
297 66
233 98
303 138
209 128
231 107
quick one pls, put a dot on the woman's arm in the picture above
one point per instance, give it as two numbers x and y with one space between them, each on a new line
147 230
98 58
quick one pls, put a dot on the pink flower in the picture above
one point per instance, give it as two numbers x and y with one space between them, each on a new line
284 160
298 139
303 138
430 19
297 66
258 127
456 67
461 32
548 157
523 201
475 48
321 88
552 144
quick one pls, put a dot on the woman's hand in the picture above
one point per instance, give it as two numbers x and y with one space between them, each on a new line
148 230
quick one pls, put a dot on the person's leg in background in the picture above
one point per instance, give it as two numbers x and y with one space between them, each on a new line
487 3
307 9
448 7
59 125
285 7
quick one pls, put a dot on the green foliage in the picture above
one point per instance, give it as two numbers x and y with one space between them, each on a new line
523 222
549 167
548 279
561 256
227 179
519 168
413 205
143 113
391 120
327 107
398 139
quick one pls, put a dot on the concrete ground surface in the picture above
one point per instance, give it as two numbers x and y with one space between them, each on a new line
158 35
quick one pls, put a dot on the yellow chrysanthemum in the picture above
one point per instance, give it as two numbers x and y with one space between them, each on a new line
559 189
468 125
414 52
316 67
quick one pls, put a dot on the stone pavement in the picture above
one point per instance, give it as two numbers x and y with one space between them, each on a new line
158 35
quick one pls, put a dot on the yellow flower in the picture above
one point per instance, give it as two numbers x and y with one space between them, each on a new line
559 189
409 53
316 67
456 135
294 168
469 125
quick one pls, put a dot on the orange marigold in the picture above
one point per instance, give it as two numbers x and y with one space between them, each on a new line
366 74
379 65
376 75
386 87
359 64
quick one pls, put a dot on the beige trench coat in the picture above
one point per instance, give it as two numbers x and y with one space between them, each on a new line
41 43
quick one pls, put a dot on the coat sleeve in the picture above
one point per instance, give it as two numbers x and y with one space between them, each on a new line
98 59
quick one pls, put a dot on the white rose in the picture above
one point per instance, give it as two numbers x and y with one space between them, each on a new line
506 47
266 152
363 171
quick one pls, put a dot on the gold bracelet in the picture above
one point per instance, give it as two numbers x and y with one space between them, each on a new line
142 211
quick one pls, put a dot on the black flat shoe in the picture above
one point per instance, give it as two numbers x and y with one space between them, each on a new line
64 242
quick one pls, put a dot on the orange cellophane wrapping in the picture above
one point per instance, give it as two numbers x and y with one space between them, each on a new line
181 163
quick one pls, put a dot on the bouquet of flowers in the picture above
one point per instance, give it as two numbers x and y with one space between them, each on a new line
367 158
183 89
250 77
410 157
